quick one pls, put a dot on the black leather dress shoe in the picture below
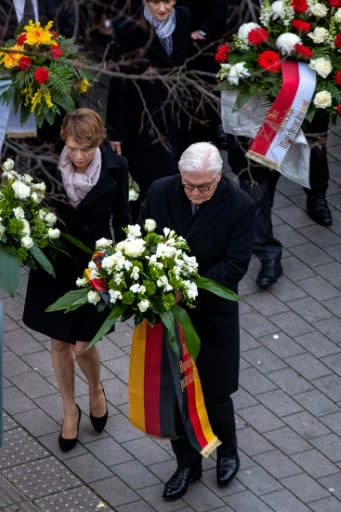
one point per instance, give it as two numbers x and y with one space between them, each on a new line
99 422
227 467
67 444
269 273
318 209
178 483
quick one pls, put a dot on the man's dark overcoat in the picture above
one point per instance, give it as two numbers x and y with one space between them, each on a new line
146 115
103 210
220 235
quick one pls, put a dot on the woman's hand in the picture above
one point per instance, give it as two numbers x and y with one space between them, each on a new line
116 146
198 35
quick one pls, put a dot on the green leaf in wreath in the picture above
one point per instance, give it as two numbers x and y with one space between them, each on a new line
9 270
217 289
43 261
192 339
168 320
76 243
70 301
114 315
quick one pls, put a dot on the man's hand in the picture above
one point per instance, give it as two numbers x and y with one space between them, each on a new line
116 146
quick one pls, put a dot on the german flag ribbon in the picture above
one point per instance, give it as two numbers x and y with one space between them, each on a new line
165 387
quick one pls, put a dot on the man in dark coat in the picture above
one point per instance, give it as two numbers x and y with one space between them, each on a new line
217 220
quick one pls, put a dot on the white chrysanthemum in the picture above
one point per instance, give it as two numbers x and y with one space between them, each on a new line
81 281
133 231
319 35
286 43
93 297
319 10
19 213
26 228
191 289
337 15
278 10
114 295
137 288
245 29
21 191
322 99
8 165
26 242
237 72
165 251
150 225
102 243
53 233
322 66
50 219
143 305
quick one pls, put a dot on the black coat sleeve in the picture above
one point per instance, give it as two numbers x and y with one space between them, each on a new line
121 210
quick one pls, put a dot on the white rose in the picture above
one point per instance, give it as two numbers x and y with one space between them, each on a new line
286 43
102 243
35 197
319 10
150 225
133 231
50 219
53 233
26 228
26 242
236 72
322 66
337 15
245 29
143 305
8 165
19 213
27 178
42 214
323 99
93 297
114 296
319 35
133 248
40 187
133 195
81 281
21 191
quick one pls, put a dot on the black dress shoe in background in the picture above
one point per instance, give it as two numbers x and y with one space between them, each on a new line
269 273
178 483
318 209
227 465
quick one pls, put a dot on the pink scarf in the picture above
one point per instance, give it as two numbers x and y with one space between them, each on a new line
78 184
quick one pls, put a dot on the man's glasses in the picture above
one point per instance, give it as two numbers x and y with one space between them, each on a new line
205 187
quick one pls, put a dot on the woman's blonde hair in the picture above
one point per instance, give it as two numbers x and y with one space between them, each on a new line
85 126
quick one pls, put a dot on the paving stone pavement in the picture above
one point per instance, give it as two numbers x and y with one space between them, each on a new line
288 405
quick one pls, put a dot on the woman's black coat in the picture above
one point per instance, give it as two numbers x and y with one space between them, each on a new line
220 235
104 210
153 141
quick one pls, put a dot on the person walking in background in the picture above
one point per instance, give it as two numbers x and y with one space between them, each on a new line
146 118
90 197
217 220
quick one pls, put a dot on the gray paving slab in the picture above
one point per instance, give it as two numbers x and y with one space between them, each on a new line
288 405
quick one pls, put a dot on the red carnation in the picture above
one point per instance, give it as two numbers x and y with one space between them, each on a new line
338 78
56 52
258 35
337 41
299 5
222 53
303 50
24 63
338 109
301 25
335 3
21 39
270 61
41 75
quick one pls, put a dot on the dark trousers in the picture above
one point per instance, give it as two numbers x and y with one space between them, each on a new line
316 133
222 420
260 183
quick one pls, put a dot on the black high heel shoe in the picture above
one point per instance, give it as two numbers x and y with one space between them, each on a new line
67 444
99 422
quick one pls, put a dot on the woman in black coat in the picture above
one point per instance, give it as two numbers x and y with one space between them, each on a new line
220 236
92 191
146 116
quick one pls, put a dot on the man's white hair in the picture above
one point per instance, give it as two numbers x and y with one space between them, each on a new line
201 156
